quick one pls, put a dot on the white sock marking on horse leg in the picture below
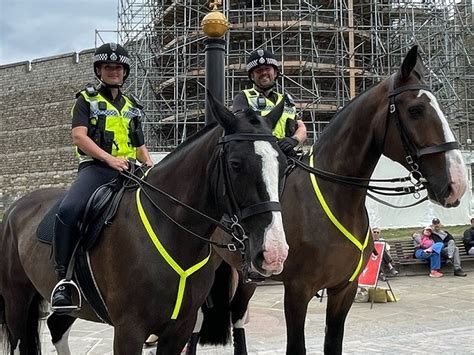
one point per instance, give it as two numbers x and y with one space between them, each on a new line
241 322
275 246
199 320
62 346
17 349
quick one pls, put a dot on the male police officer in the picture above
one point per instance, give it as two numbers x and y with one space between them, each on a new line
107 132
262 69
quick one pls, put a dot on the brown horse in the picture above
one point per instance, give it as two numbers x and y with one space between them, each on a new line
324 212
153 273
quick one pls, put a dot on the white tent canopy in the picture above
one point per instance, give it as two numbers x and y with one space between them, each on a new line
417 216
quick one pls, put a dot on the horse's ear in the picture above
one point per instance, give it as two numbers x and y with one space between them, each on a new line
219 112
275 114
409 62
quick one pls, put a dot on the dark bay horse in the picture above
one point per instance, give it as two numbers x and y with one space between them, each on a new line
325 220
154 275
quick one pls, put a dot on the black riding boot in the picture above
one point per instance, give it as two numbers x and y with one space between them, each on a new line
64 243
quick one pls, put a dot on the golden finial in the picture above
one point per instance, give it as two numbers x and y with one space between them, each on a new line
215 24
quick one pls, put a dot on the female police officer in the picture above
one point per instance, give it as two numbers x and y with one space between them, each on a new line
106 131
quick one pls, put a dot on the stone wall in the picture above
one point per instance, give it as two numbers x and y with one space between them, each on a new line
35 140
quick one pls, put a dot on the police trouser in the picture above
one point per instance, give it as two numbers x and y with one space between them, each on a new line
90 176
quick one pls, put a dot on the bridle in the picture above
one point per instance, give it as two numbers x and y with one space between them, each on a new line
412 156
236 215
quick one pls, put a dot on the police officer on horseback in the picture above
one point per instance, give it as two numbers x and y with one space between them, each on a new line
262 69
107 133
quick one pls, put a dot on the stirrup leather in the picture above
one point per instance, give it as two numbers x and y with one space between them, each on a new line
72 307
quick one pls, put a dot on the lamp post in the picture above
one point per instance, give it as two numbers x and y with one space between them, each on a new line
214 25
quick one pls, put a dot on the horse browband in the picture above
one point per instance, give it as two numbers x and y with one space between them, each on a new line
247 137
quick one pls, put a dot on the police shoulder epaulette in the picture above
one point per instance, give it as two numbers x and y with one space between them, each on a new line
252 92
289 100
135 101
90 90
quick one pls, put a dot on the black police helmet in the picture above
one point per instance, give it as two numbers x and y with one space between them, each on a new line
111 53
261 57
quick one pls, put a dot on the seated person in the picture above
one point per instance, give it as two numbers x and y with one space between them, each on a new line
468 239
426 248
450 250
386 258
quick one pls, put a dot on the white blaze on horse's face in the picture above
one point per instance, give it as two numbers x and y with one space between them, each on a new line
456 166
274 242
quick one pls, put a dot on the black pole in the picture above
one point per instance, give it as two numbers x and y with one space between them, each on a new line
215 50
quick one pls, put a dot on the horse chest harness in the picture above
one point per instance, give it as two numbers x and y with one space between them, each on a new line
234 228
413 154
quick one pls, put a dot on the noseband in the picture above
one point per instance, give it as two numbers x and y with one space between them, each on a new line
235 213
413 154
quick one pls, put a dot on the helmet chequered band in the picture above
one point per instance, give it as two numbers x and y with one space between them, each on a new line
104 57
261 61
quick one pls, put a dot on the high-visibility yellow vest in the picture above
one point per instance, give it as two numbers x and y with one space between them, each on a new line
289 111
117 126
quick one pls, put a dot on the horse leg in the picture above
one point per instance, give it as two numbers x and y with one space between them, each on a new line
239 308
129 338
2 310
297 297
339 303
59 326
21 321
175 336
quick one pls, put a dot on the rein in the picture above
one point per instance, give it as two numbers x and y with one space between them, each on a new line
236 230
412 157
362 182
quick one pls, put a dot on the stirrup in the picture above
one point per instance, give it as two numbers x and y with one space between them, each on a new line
72 307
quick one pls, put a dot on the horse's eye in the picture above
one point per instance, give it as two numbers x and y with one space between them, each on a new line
234 164
416 111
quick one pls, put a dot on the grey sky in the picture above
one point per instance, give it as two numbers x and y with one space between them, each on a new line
31 29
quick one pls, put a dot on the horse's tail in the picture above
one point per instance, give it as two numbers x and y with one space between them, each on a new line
215 328
31 337
32 325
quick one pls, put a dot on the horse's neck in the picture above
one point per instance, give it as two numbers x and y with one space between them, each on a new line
352 146
186 175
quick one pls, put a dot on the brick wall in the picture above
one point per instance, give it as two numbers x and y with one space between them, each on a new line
35 139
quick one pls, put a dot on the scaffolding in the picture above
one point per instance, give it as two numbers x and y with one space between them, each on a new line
329 50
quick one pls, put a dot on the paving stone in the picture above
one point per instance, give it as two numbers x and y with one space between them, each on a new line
433 316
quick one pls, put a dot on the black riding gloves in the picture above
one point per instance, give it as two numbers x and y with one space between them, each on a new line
287 145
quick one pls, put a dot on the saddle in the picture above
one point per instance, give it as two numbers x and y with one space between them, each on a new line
100 210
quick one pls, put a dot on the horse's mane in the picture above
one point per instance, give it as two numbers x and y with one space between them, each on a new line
189 141
339 117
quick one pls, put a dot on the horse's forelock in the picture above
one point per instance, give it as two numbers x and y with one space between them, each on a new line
249 121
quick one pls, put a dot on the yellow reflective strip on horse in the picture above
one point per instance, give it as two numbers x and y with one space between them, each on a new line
336 222
182 285
183 274
361 259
